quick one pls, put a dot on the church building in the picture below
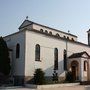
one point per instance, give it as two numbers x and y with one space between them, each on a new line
38 46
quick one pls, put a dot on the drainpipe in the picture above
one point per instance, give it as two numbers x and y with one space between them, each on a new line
66 54
66 69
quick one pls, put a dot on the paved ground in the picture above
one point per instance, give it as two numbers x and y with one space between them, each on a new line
78 87
20 89
15 88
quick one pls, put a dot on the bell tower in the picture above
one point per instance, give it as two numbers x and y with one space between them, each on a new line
88 37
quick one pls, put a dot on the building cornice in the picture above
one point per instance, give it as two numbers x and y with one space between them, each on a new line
61 38
49 35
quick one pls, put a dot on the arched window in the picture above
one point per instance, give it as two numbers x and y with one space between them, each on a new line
57 35
37 52
85 65
65 59
46 31
55 59
50 33
41 30
68 38
72 39
17 51
64 36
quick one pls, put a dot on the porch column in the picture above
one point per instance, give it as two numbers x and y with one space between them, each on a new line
81 71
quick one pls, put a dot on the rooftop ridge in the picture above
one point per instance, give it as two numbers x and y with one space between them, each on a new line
49 28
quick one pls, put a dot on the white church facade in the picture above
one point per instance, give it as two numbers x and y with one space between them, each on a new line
38 46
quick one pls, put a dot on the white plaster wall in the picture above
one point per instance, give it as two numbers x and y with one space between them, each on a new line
26 64
17 64
30 27
47 52
75 47
38 27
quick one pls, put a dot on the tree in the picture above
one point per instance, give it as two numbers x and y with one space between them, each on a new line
69 76
55 76
39 77
4 58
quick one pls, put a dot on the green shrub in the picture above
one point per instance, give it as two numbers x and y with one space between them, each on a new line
69 76
39 77
55 76
4 58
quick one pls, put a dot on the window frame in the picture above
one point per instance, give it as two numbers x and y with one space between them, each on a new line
46 31
56 59
85 65
65 59
50 33
41 30
57 35
17 50
37 52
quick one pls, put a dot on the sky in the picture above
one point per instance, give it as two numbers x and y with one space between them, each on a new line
72 15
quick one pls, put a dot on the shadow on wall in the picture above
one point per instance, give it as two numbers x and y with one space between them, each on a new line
49 72
51 69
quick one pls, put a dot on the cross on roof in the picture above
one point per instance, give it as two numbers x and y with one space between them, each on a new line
27 17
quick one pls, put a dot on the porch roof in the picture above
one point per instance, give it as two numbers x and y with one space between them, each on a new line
78 55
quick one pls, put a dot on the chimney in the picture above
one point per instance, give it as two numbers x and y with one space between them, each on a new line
88 37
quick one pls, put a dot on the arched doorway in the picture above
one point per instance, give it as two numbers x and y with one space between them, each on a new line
75 68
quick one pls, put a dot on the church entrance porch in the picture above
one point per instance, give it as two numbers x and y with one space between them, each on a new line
78 64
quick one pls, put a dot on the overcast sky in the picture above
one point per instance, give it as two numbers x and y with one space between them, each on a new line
73 15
